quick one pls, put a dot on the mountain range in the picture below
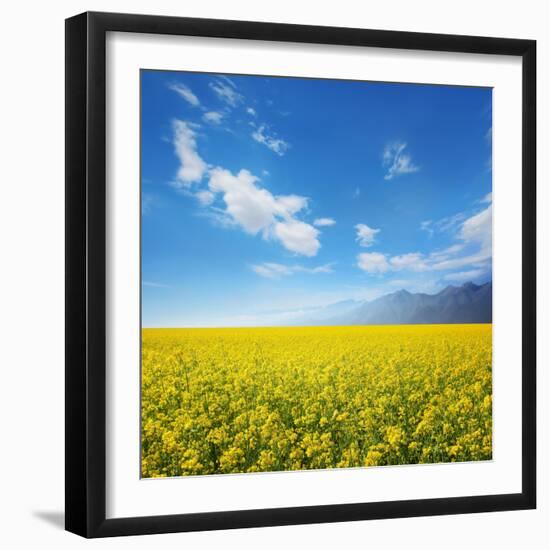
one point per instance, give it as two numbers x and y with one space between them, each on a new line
469 303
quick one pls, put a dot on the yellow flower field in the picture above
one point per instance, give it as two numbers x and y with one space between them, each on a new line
263 399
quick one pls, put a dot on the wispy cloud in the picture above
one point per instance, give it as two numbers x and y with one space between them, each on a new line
276 271
476 234
277 145
192 166
446 253
225 78
397 161
271 270
213 117
365 235
323 222
226 91
185 92
448 223
427 226
251 111
472 253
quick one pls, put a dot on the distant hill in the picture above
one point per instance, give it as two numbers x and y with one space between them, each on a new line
469 303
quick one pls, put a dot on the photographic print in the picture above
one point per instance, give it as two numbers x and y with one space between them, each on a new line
316 274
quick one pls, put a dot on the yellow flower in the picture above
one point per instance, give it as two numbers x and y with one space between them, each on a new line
373 458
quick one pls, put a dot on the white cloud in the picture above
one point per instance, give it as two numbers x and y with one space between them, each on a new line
277 145
373 262
298 237
213 117
323 222
249 206
478 228
365 234
185 92
276 271
413 261
205 197
463 276
256 210
397 161
192 166
290 204
228 94
251 111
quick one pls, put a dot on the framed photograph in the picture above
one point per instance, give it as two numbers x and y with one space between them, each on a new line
300 274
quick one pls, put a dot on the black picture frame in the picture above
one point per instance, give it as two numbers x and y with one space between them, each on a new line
86 274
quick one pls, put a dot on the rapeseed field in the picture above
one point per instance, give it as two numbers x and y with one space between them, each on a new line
293 398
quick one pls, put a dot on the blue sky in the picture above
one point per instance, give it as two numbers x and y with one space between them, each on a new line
264 197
